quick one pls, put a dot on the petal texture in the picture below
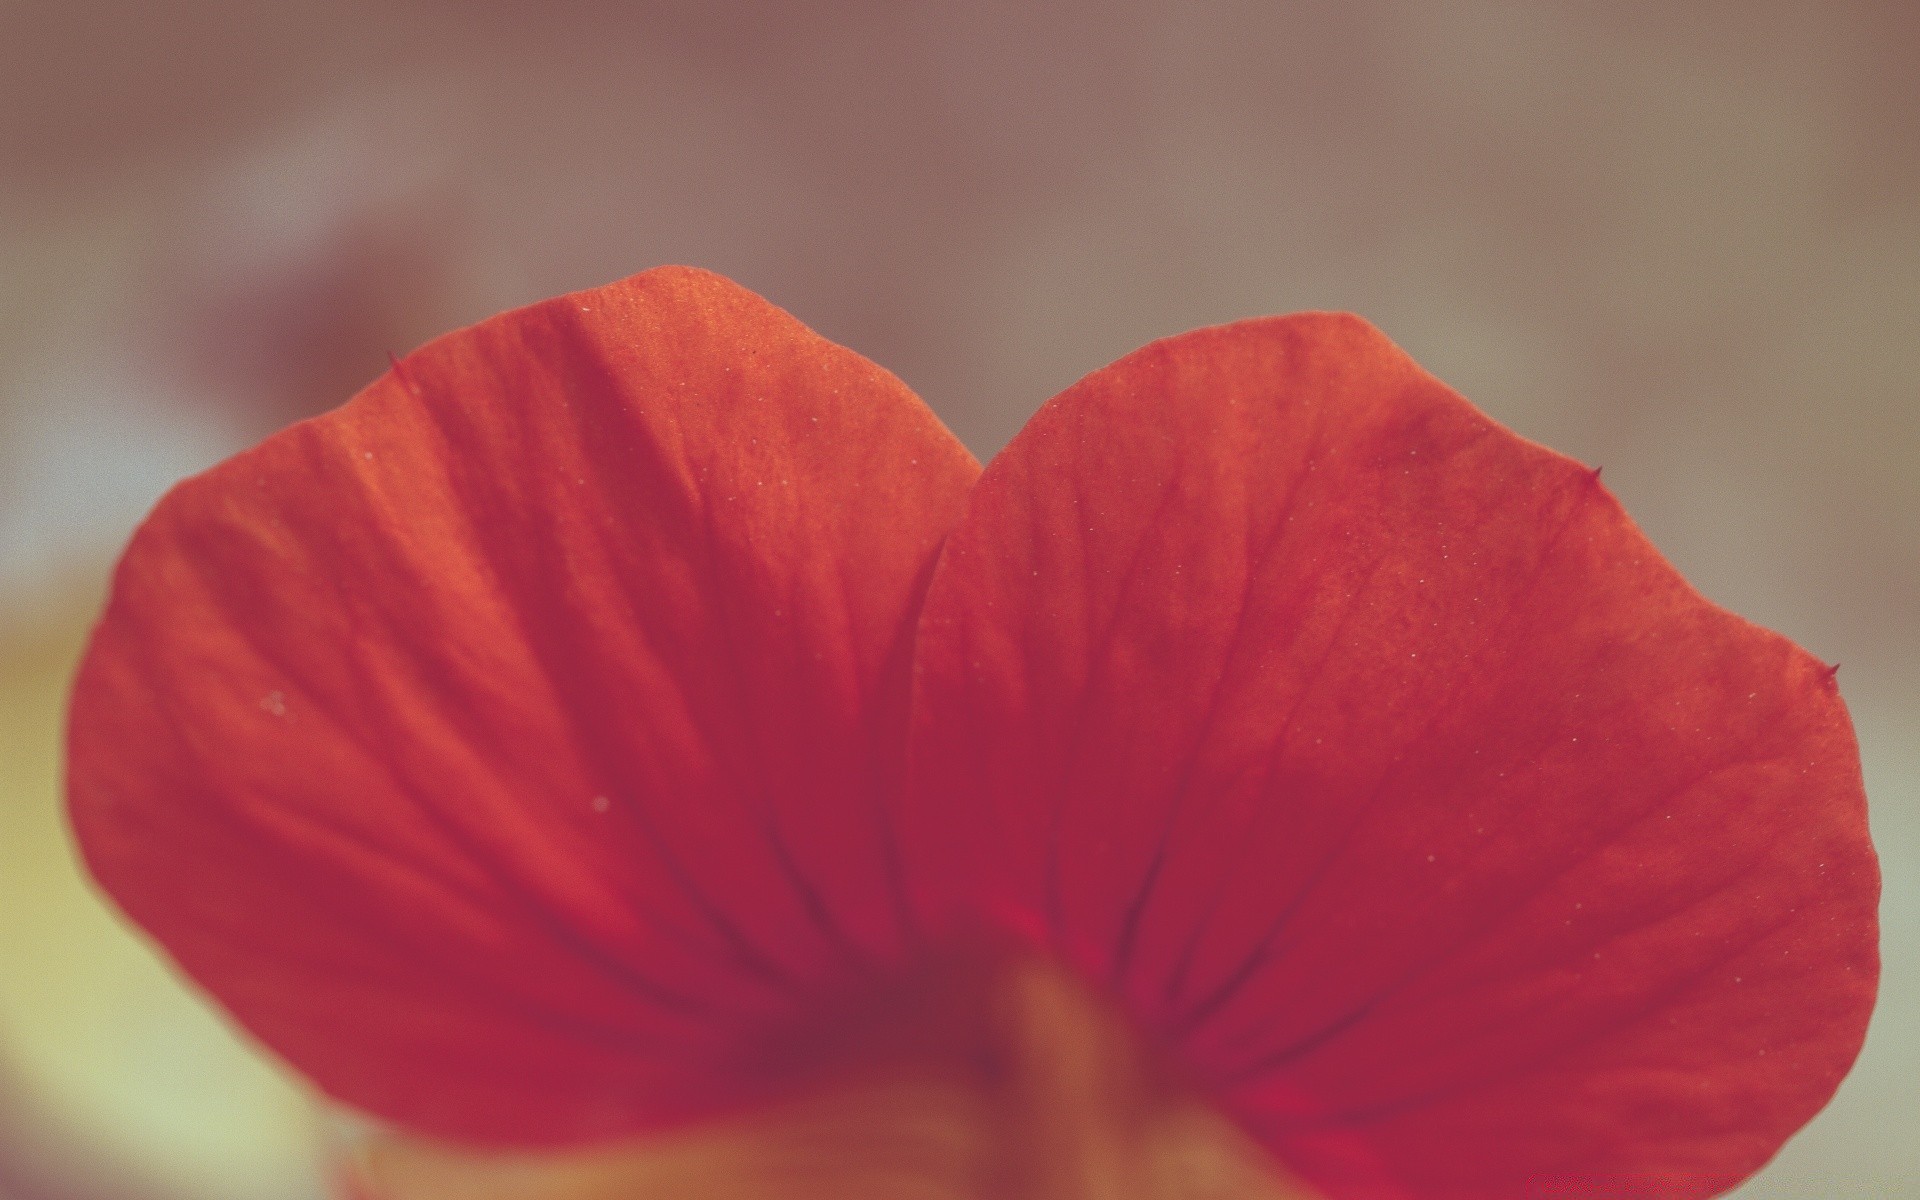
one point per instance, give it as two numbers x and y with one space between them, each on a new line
1391 777
506 748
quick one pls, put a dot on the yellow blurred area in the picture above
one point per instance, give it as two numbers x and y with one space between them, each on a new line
119 1082
893 1143
1011 1082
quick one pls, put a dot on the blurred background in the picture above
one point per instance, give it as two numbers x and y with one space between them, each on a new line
1679 241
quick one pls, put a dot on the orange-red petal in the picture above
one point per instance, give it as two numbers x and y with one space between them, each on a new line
1388 773
505 748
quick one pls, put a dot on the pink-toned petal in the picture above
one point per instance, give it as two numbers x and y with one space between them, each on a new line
505 748
1384 769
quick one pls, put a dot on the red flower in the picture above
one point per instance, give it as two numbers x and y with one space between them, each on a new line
521 748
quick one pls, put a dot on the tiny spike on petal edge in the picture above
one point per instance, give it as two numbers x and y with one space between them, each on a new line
400 373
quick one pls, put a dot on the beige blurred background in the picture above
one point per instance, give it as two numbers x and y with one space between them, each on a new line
1679 241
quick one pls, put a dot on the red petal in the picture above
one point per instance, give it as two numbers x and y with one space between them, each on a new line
1383 767
505 747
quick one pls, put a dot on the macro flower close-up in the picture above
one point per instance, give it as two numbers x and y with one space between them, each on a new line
636 716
